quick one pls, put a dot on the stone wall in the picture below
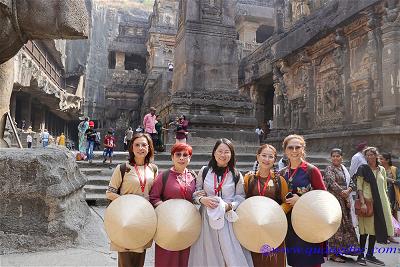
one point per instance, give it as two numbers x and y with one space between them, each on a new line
42 203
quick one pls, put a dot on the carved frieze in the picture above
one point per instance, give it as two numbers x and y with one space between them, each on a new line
211 10
330 93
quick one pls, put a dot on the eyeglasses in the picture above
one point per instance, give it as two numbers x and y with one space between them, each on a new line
226 152
181 154
141 145
294 147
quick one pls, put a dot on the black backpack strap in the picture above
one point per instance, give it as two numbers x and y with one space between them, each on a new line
164 182
236 175
122 169
204 173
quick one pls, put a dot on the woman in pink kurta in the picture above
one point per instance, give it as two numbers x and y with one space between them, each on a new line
179 184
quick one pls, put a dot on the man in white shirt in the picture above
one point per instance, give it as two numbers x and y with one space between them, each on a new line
260 133
358 159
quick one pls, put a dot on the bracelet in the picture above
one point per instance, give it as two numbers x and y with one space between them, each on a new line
199 200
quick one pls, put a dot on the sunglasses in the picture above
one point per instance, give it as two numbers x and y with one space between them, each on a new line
294 147
181 154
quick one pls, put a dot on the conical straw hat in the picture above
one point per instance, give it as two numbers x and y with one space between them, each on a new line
130 221
262 223
316 216
179 224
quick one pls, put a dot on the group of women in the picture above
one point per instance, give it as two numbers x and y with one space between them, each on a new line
371 184
221 179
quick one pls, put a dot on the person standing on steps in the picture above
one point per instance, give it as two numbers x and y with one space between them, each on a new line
91 139
149 124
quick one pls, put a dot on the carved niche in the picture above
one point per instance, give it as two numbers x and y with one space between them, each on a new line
211 10
330 93
360 69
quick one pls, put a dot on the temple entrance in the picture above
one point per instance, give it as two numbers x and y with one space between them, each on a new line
264 102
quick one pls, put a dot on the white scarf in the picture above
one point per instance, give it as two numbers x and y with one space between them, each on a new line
350 198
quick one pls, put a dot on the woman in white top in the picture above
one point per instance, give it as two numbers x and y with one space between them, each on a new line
223 186
134 177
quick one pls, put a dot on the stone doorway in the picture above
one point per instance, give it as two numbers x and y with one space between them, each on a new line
264 102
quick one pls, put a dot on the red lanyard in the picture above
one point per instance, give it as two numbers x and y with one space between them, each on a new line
294 172
262 193
218 187
142 182
182 184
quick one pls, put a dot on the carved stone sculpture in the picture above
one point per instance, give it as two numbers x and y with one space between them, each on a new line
23 20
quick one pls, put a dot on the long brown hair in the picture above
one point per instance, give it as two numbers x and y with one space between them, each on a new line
149 155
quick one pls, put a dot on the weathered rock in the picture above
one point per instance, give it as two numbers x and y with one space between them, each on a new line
42 202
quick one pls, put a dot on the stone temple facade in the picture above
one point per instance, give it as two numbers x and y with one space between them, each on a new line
332 71
327 69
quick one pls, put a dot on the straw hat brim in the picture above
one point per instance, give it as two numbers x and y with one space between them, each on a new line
316 216
261 223
179 224
130 221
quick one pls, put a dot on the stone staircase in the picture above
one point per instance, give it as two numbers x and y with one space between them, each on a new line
99 173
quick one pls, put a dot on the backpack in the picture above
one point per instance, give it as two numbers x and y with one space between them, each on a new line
165 176
236 176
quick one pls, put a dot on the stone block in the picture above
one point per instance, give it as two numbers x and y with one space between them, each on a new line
42 202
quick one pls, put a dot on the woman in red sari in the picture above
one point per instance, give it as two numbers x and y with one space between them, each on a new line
179 184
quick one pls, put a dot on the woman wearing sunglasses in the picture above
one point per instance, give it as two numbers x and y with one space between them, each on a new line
134 177
176 183
301 178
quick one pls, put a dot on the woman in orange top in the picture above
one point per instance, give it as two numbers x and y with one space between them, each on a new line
265 182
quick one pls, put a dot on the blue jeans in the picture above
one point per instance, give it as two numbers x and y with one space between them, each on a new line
89 149
45 143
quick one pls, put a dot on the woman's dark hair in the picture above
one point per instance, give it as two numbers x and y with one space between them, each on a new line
213 162
336 150
388 157
149 155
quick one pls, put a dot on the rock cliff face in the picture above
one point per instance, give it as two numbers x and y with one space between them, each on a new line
42 202
106 18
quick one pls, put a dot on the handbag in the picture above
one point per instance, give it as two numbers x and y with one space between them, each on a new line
359 212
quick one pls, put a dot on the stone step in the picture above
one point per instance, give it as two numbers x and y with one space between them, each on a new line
95 189
96 199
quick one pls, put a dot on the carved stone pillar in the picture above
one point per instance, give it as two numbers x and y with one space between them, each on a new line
390 65
6 85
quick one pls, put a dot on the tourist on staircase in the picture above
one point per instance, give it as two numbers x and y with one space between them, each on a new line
109 145
223 186
301 178
134 177
149 124
176 183
90 138
265 182
82 127
181 133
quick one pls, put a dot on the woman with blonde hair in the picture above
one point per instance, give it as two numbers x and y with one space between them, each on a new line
134 177
301 178
267 183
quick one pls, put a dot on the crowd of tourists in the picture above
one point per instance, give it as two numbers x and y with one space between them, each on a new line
375 182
